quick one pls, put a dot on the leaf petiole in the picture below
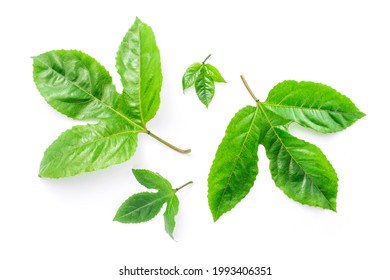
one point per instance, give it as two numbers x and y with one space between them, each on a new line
204 61
249 89
168 144
186 184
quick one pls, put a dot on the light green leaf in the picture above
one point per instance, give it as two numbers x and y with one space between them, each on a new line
170 214
204 86
313 105
301 170
234 168
141 207
138 64
75 84
152 180
89 148
214 73
190 75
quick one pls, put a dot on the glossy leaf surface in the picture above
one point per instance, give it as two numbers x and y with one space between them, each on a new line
203 76
234 168
76 85
298 168
138 64
313 105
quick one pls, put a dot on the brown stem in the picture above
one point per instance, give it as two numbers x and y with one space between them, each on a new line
249 89
168 144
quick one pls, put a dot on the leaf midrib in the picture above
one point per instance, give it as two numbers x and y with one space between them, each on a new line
238 157
309 109
147 204
90 94
260 104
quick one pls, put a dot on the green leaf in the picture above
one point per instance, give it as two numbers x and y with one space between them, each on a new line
298 168
301 170
190 75
203 77
204 86
138 64
234 168
214 73
141 207
89 148
170 214
76 85
144 206
322 108
152 180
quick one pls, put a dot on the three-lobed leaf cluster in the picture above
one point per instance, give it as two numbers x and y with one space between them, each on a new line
297 167
76 85
144 206
203 76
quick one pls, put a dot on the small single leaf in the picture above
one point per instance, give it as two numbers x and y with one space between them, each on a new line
75 84
203 76
141 207
234 168
138 64
204 86
301 170
170 214
313 105
152 180
144 206
190 75
88 148
214 73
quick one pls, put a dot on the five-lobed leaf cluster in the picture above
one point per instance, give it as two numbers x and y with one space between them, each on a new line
76 85
203 76
297 167
144 206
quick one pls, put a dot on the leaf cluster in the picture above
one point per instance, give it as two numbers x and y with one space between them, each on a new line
144 206
78 86
298 168
203 76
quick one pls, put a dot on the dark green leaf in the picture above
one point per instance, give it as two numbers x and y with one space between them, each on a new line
170 214
301 170
234 168
138 64
142 207
204 86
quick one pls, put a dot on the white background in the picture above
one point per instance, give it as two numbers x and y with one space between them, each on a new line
63 229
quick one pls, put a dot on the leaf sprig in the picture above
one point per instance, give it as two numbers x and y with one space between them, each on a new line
299 168
203 76
76 85
144 206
